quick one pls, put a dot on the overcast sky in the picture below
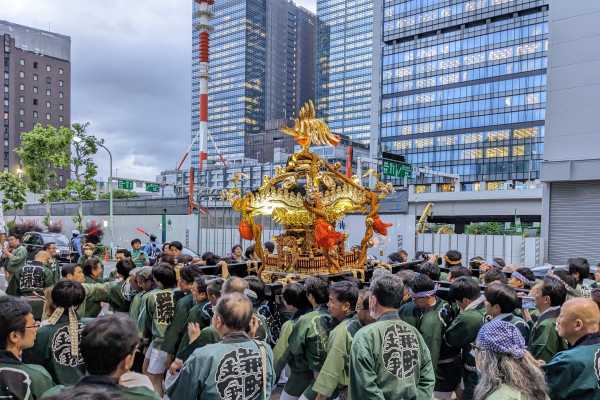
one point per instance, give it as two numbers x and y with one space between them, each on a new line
131 73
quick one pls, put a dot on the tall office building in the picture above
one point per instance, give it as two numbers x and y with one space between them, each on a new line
261 68
462 88
37 85
291 33
236 77
344 66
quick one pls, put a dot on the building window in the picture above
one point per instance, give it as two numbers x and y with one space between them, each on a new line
492 186
35 102
35 64
5 115
48 80
48 68
6 102
5 88
21 124
61 94
21 112
422 188
61 107
61 83
48 92
35 114
21 87
6 75
48 116
48 104
61 71
35 89
35 77
61 119
21 74
22 62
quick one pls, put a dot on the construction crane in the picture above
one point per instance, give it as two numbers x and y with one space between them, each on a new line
422 223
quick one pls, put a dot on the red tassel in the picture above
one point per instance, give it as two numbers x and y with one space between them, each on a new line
325 235
380 227
246 230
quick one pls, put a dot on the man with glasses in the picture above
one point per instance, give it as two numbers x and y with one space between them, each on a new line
19 381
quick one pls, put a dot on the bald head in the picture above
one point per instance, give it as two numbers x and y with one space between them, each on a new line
234 285
42 257
234 311
578 317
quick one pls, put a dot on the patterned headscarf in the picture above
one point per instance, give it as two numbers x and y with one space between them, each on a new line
501 337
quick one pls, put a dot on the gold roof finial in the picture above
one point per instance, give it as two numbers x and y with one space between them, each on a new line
309 130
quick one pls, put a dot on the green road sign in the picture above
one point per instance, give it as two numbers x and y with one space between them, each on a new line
395 169
125 184
152 187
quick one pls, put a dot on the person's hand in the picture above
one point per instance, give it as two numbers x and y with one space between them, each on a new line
526 315
175 366
254 325
193 329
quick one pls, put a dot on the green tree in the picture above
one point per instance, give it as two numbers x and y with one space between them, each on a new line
43 151
120 194
485 228
14 191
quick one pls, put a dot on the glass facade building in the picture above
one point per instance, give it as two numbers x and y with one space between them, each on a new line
237 69
463 88
344 66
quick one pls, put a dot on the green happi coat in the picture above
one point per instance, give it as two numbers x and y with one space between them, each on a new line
298 380
237 367
30 281
138 257
335 372
17 260
461 334
197 314
432 327
136 306
574 374
174 333
307 349
111 386
52 350
390 360
17 379
55 267
208 335
544 341
156 314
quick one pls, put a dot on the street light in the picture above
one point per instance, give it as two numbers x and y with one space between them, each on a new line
110 197
77 139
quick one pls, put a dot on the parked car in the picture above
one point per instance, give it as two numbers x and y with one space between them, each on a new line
34 241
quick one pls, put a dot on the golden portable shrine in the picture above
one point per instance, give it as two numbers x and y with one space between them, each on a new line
308 196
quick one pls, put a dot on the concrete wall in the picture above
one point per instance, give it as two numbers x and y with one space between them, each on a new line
515 250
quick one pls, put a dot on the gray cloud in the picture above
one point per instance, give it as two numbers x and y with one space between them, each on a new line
131 73
131 64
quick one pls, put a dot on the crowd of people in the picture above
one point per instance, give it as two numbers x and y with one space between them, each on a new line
159 326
